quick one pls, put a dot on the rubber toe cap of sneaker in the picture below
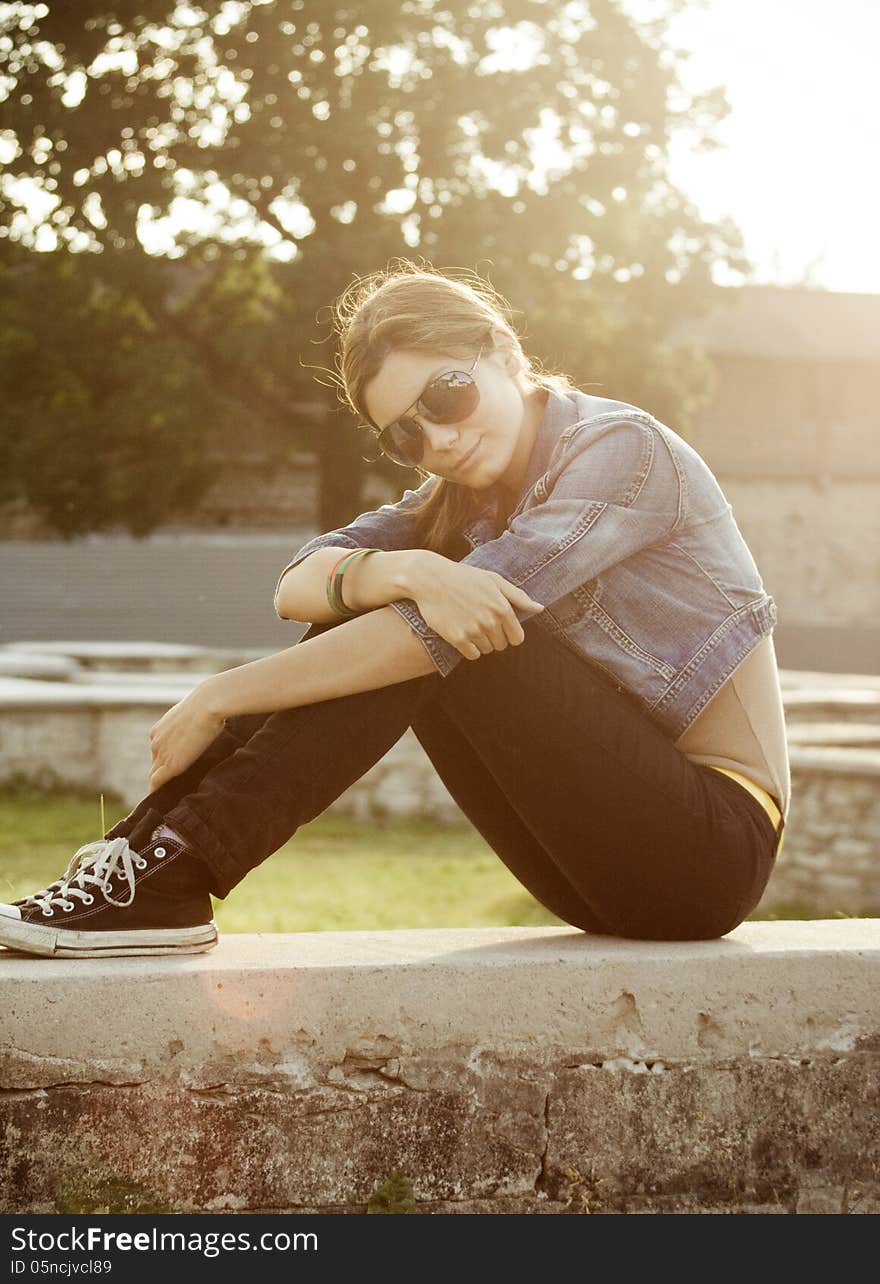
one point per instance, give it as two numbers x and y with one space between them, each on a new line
9 911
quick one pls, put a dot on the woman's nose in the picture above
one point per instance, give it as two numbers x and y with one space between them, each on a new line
441 438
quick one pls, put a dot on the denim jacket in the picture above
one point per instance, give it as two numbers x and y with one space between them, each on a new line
623 534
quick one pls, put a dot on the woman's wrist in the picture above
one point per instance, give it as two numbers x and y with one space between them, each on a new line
208 697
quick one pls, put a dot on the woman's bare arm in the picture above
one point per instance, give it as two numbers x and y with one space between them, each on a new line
373 650
379 647
369 582
470 608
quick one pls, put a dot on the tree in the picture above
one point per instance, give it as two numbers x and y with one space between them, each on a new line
106 423
317 141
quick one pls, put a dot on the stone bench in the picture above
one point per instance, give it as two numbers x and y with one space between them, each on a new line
514 1070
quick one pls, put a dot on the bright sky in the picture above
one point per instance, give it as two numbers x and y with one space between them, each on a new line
800 173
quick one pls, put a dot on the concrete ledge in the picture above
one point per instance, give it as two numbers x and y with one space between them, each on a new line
844 761
156 690
835 734
508 1070
24 664
834 704
805 679
147 655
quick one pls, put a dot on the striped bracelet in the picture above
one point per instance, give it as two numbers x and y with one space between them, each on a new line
334 581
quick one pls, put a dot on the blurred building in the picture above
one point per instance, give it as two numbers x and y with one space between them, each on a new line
793 435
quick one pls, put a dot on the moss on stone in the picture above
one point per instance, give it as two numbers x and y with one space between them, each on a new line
395 1195
84 1193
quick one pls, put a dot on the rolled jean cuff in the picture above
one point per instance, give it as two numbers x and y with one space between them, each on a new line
442 654
223 872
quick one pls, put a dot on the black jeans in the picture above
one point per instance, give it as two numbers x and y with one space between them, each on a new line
587 802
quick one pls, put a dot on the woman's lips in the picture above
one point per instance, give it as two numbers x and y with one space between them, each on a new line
465 463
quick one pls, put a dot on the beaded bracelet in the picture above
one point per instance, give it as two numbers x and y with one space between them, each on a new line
334 581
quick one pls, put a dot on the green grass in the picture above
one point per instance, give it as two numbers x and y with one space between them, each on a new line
333 875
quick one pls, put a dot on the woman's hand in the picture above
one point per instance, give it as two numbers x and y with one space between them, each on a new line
471 608
180 736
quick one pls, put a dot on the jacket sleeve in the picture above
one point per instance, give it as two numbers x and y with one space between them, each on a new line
613 492
390 527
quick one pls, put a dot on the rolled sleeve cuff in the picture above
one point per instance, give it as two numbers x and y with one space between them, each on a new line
443 654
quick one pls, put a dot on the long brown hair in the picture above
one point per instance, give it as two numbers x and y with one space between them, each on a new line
419 308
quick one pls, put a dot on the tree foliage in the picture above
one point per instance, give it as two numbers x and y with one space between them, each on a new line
306 142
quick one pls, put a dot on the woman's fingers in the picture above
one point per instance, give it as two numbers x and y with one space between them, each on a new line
478 644
513 630
505 630
516 597
475 610
519 597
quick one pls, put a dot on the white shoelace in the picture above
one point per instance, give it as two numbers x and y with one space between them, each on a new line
92 865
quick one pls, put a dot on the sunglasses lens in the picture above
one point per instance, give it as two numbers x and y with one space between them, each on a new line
451 397
402 441
448 399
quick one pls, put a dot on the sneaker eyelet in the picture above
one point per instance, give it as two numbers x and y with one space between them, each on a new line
48 913
141 864
160 852
88 898
68 907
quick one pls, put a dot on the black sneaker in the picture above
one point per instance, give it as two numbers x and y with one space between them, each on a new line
114 900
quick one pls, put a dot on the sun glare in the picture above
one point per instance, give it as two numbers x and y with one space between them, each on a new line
795 169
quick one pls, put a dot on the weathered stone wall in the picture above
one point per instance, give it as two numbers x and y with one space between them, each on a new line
830 860
815 542
516 1070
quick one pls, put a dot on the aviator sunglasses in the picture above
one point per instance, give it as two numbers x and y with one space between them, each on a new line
447 399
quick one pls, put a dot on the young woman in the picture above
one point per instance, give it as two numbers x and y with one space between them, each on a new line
565 613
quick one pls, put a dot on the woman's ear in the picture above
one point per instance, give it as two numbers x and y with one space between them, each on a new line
513 362
516 363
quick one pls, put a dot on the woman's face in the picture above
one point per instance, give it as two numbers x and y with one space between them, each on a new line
497 437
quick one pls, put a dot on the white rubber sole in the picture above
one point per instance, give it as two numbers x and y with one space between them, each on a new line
54 942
